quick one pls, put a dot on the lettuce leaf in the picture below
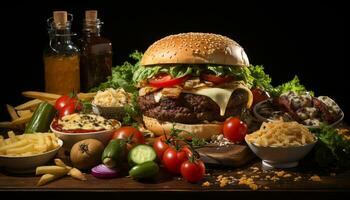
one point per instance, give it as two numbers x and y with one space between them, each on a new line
176 71
293 85
332 149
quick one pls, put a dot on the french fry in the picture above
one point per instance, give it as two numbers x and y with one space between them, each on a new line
53 169
46 178
11 110
22 120
23 113
20 150
8 145
29 105
1 140
60 163
76 173
86 96
12 136
41 95
8 125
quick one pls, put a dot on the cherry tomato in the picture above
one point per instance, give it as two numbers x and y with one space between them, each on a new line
126 131
234 129
173 159
259 95
160 146
62 102
67 110
192 171
165 80
216 79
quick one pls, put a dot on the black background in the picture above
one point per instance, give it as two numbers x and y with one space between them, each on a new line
287 38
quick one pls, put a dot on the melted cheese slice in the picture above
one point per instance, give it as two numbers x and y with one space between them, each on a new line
221 96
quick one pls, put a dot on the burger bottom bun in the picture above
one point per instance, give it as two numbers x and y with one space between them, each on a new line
205 131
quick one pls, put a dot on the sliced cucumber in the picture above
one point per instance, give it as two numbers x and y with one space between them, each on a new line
144 171
141 154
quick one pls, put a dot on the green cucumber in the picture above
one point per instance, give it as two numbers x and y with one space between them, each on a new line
41 119
140 154
114 155
144 171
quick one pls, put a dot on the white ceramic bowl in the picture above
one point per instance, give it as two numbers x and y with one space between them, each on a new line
280 157
27 164
263 119
69 139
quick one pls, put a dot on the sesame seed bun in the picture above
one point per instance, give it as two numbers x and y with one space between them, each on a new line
195 48
205 131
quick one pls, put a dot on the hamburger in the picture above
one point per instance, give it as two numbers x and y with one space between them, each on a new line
192 82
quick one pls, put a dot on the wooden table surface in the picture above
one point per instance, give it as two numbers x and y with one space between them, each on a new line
166 184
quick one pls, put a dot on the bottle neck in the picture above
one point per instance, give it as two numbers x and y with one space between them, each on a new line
92 28
60 34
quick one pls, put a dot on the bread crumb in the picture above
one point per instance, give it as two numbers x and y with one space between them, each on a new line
280 173
240 172
249 182
315 178
206 184
266 187
223 182
274 178
297 178
287 175
219 177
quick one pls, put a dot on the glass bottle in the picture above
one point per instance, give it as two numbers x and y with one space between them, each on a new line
61 57
96 53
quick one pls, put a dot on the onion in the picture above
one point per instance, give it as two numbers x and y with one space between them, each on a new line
102 171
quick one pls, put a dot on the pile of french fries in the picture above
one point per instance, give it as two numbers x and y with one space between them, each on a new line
54 172
21 114
27 144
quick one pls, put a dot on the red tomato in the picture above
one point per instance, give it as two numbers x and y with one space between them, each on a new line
62 102
259 95
67 110
165 80
173 159
160 146
192 171
126 131
234 129
216 79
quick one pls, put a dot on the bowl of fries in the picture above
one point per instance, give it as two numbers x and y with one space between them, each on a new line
23 153
281 144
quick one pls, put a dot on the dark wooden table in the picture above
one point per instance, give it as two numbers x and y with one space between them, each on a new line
174 187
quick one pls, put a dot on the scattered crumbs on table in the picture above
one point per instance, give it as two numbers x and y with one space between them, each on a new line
280 173
298 178
255 169
249 182
206 184
315 178
287 175
274 178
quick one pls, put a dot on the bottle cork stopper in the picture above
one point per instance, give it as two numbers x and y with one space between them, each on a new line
60 17
91 15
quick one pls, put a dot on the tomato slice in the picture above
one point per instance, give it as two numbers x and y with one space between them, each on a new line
216 79
165 80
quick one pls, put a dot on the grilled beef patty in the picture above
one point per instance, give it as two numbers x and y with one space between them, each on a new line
191 108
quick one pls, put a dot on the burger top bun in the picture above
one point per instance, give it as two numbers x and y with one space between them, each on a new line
195 48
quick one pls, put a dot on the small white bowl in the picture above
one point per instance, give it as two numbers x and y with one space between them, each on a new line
280 157
27 164
70 139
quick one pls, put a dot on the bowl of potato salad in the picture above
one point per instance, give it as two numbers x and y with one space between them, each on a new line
23 153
